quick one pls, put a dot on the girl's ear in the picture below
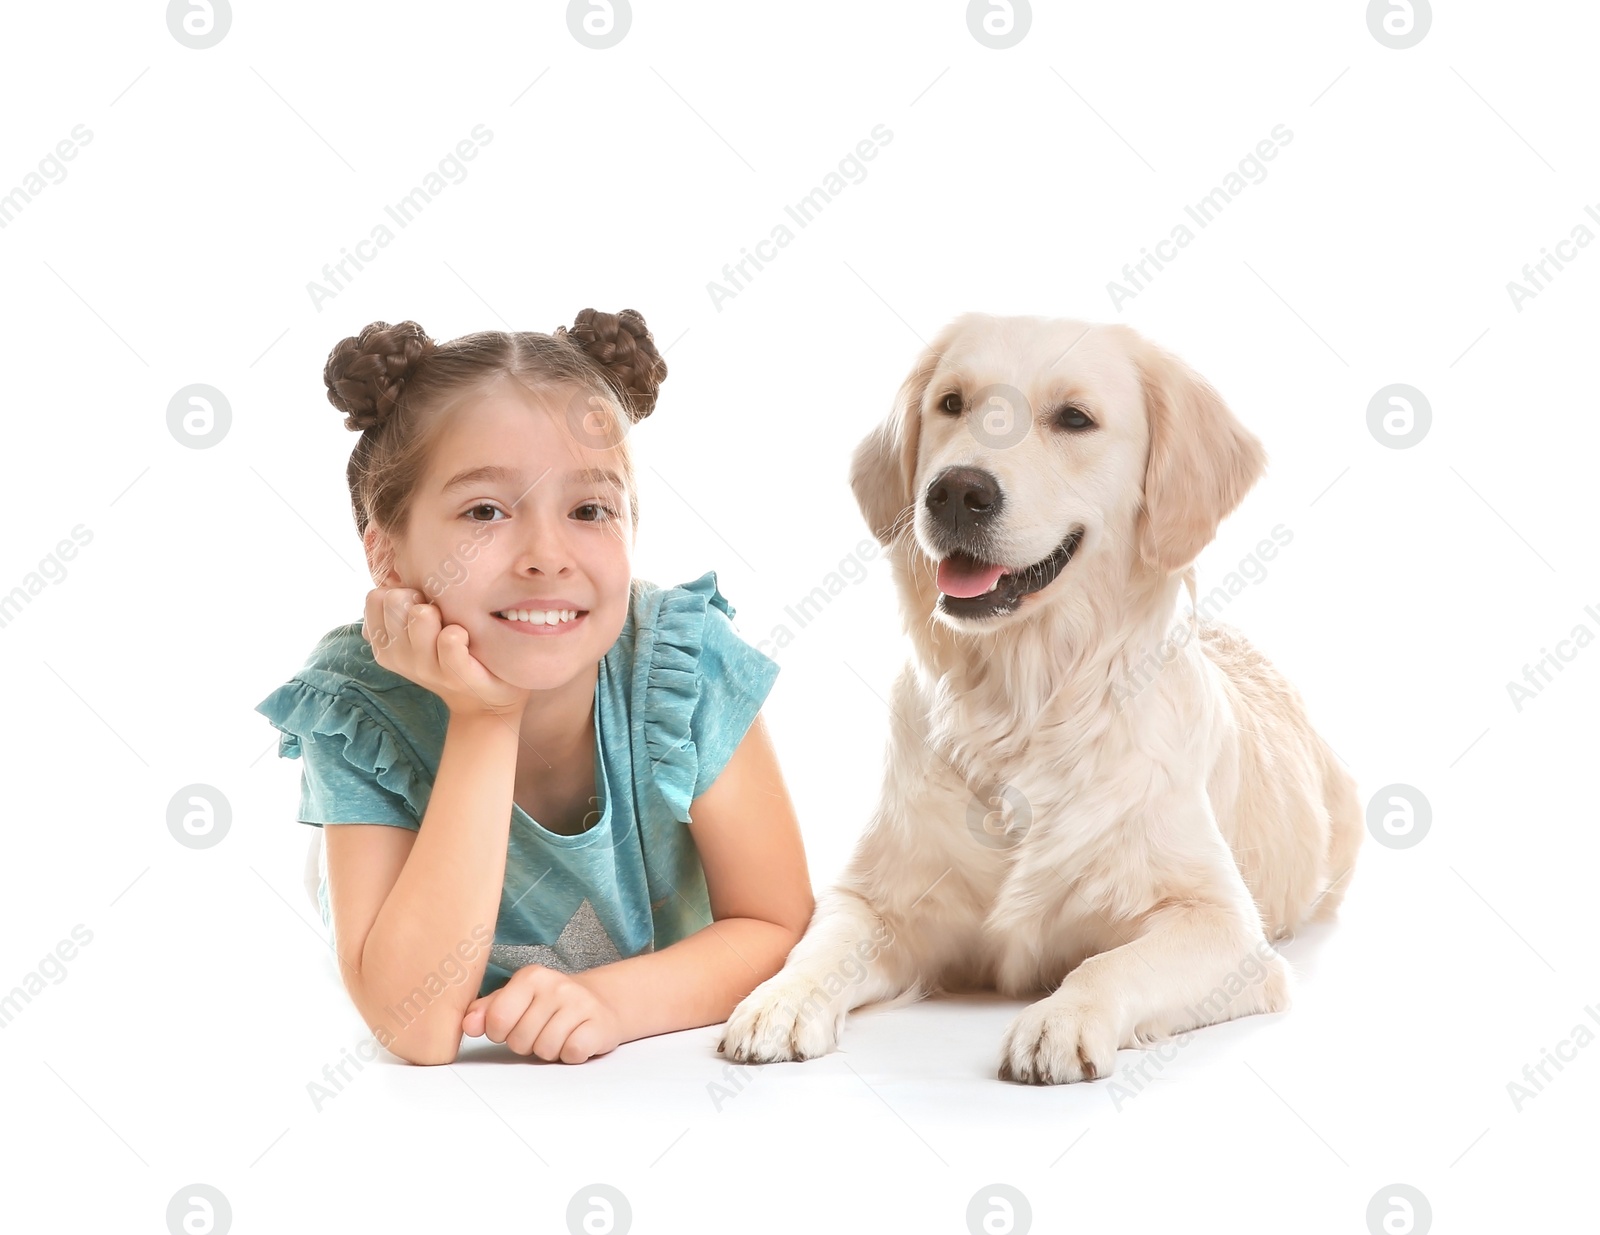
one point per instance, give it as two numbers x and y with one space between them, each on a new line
380 557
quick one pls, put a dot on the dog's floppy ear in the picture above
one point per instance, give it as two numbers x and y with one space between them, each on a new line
1202 461
885 462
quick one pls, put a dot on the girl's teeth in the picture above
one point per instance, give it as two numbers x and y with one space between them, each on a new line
540 617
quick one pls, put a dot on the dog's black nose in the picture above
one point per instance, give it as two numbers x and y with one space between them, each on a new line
963 500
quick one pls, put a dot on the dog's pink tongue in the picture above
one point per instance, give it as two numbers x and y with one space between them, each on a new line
959 576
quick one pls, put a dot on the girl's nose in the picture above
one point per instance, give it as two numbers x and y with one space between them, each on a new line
545 546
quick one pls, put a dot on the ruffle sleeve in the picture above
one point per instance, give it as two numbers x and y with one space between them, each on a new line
704 686
355 768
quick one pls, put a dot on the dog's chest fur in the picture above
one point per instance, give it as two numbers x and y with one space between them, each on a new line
1039 737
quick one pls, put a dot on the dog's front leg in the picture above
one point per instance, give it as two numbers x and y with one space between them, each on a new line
844 960
1186 963
883 929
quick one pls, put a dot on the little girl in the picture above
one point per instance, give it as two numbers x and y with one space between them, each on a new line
561 823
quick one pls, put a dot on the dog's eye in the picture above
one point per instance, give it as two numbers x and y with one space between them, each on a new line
1073 419
951 403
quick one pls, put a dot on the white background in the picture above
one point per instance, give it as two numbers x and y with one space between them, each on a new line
177 249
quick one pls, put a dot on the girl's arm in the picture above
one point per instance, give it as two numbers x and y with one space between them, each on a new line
760 890
408 921
401 935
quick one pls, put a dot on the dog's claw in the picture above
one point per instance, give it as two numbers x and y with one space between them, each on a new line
1055 1042
769 1025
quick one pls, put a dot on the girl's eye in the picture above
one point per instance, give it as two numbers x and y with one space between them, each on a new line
483 506
605 512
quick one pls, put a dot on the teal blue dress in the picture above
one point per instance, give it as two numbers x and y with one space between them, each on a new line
674 697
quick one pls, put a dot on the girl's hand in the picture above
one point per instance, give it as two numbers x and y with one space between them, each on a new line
545 1012
406 637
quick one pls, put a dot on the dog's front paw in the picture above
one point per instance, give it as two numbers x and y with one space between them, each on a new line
1058 1040
786 1017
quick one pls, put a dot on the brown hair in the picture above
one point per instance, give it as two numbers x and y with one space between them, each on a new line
393 383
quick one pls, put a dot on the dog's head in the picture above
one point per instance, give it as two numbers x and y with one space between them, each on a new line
1019 449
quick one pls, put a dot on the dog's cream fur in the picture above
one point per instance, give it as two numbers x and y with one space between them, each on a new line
1153 832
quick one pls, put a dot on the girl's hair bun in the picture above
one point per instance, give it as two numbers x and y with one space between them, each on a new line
620 343
366 373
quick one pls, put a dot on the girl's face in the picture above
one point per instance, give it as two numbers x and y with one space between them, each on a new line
514 513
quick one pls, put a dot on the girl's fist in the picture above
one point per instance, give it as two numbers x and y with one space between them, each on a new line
546 1013
408 637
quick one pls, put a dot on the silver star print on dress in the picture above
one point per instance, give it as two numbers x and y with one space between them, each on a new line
583 944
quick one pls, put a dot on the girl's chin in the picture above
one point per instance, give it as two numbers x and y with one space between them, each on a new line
537 668
546 665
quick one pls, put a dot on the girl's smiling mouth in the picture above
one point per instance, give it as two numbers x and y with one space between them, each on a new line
549 617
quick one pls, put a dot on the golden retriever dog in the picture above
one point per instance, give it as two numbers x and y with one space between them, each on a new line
1089 794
